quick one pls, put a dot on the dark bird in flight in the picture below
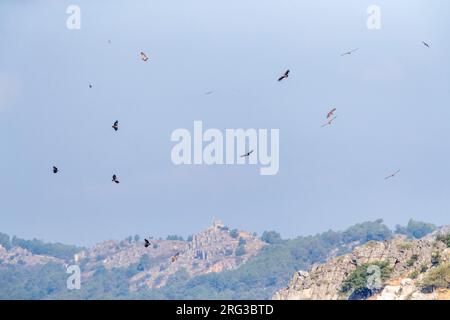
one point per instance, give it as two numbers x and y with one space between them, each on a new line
55 169
392 175
349 52
247 154
144 57
425 44
90 86
147 243
284 76
329 122
114 179
209 92
175 257
115 126
331 113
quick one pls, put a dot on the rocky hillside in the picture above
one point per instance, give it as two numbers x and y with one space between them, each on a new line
23 257
213 250
395 269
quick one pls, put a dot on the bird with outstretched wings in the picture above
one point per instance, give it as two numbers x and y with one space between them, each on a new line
349 52
175 257
115 126
392 175
331 113
144 57
114 179
147 243
247 154
284 76
425 44
55 169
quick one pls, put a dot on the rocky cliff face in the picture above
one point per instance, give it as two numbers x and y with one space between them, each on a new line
409 262
212 250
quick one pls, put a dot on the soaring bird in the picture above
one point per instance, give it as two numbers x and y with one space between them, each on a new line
331 113
329 122
392 175
90 85
114 179
284 76
144 57
175 257
349 52
55 169
209 92
115 126
147 243
425 44
247 154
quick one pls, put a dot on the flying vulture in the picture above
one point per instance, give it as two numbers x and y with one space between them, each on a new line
144 57
247 154
392 175
331 113
284 76
349 52
114 179
175 257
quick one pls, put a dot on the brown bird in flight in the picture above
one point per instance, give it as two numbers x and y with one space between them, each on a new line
175 257
114 179
392 175
331 113
284 76
144 57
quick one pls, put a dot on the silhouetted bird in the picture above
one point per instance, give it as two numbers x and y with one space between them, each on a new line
349 52
144 57
247 154
392 175
147 243
55 169
115 126
425 44
284 76
90 86
114 179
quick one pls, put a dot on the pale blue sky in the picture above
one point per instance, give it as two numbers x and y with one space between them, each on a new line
392 99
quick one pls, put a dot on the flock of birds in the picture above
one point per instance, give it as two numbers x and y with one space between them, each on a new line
330 117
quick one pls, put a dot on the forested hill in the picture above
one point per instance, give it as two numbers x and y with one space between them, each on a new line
217 263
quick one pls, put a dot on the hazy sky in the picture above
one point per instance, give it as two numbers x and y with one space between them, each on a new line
392 99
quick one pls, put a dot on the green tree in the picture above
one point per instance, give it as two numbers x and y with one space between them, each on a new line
234 233
271 237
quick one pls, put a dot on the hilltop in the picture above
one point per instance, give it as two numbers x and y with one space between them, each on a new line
406 269
216 263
